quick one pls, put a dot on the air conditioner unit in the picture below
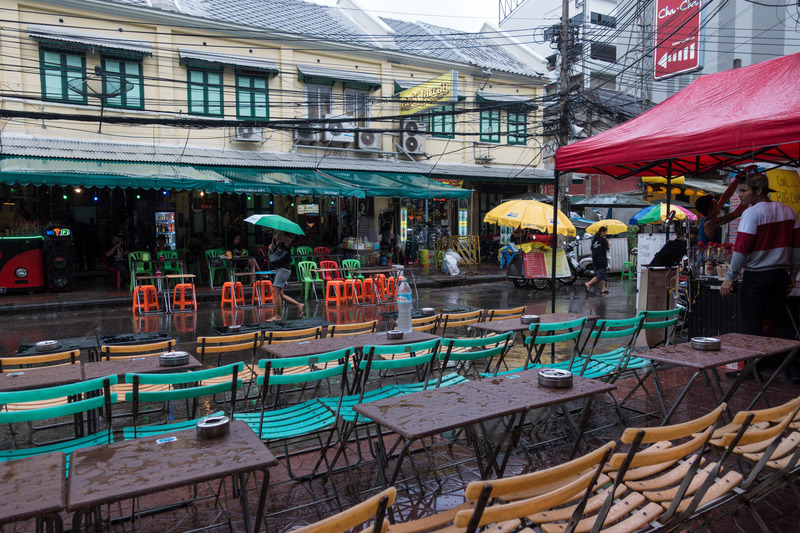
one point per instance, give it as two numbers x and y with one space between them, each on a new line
412 138
339 131
248 134
306 134
369 140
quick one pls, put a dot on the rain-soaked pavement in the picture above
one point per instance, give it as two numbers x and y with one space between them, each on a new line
291 503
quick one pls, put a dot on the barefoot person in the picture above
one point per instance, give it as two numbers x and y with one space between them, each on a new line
281 243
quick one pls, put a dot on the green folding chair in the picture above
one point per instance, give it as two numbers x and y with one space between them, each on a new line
666 320
307 277
467 353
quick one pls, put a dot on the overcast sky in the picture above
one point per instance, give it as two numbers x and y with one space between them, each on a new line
466 15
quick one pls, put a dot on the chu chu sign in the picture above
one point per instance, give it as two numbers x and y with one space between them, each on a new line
677 38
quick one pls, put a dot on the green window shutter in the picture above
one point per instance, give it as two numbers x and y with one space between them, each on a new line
517 127
443 125
123 74
252 99
205 92
57 71
490 125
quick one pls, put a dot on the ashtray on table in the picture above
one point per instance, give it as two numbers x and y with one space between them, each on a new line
555 378
706 343
529 319
173 358
46 346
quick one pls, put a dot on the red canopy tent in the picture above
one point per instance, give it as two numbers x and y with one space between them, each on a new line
740 115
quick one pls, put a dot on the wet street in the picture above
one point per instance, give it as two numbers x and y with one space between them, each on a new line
93 319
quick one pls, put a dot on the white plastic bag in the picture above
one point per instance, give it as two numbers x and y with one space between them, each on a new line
450 263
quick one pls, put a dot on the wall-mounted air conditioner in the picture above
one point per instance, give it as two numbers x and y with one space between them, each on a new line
306 133
412 137
340 129
369 140
248 134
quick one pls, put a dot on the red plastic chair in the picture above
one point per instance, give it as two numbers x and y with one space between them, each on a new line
322 253
332 274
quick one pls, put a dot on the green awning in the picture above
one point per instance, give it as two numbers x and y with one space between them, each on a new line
84 173
286 182
397 185
519 101
327 76
71 39
203 58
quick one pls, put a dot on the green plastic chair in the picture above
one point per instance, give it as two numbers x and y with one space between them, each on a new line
192 267
171 264
350 268
85 398
141 269
306 418
215 264
307 278
468 351
305 253
180 386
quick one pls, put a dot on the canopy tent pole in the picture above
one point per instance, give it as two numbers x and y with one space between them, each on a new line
555 245
669 195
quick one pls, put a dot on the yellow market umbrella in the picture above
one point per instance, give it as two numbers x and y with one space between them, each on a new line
614 226
529 214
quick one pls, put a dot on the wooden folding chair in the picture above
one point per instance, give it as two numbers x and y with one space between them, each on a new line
425 323
338 330
292 335
456 320
466 353
240 347
562 492
32 362
132 351
372 510
503 314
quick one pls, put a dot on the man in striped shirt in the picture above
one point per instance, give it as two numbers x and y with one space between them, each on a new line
768 249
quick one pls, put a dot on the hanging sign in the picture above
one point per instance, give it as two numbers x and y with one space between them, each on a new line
677 35
403 224
462 222
436 92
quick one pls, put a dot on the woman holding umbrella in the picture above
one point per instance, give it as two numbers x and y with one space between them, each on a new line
281 259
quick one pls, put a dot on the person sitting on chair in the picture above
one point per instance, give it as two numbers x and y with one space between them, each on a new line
116 256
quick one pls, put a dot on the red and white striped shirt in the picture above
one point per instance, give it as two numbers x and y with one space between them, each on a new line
768 239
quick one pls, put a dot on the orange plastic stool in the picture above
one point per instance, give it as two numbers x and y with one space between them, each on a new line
334 292
183 297
391 288
262 292
368 294
145 299
352 291
232 293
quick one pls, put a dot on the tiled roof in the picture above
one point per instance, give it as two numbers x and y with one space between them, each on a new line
44 146
330 23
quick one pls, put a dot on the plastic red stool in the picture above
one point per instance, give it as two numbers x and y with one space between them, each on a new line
145 299
232 293
183 296
334 292
262 292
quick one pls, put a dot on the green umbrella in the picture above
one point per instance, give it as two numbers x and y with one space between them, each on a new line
276 222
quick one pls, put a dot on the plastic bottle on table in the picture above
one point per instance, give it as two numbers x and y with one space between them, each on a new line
404 307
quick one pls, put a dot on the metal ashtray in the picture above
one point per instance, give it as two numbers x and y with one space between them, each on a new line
706 343
234 328
394 334
211 427
555 378
428 311
173 358
529 319
46 346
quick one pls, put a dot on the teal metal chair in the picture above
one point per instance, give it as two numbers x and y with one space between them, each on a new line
153 388
216 265
304 420
666 320
138 267
307 277
80 402
466 353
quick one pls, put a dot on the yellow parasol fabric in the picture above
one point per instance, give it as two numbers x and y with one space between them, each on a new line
529 214
613 225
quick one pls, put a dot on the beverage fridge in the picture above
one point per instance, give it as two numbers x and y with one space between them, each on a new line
165 225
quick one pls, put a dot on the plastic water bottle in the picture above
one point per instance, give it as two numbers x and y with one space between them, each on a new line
404 307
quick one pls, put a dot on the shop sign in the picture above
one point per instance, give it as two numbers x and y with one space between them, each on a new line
462 222
787 187
308 209
450 181
677 35
57 232
403 224
436 92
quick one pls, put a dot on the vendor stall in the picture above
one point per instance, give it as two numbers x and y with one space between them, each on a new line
717 123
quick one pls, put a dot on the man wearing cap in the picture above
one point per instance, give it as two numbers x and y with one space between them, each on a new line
768 250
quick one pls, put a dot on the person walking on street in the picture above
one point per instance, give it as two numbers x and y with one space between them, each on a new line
280 260
599 260
767 249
